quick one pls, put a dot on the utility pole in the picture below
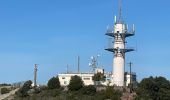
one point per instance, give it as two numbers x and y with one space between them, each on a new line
120 11
78 65
67 68
35 74
131 84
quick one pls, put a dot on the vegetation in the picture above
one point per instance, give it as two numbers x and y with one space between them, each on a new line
76 91
54 83
5 84
76 83
109 94
23 92
89 90
85 93
152 88
98 77
157 88
5 90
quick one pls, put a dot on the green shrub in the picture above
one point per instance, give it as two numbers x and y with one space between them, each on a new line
76 83
98 77
153 88
89 90
23 92
109 94
4 90
43 88
54 83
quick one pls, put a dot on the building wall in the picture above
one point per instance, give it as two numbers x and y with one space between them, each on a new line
127 78
87 79
65 78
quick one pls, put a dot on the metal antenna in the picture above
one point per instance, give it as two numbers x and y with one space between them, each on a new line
67 69
78 70
120 11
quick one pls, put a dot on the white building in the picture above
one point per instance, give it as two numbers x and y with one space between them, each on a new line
127 78
86 77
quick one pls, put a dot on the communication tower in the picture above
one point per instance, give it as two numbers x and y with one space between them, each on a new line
119 32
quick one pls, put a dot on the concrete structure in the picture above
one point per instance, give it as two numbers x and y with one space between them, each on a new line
127 78
119 32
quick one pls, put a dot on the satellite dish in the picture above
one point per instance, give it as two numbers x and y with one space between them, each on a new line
92 57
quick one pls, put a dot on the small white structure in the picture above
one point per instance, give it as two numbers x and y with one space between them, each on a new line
32 85
99 70
127 78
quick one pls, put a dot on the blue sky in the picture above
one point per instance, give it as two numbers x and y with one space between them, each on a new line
52 33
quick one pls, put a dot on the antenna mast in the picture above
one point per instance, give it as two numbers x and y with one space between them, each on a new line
119 11
67 69
78 70
130 65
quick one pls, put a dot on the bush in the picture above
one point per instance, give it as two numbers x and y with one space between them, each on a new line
4 90
76 83
89 90
42 88
37 90
98 77
108 94
54 83
157 88
23 92
5 84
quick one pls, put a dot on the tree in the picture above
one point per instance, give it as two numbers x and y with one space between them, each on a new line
98 77
157 88
23 92
4 90
76 83
54 83
109 94
89 90
5 84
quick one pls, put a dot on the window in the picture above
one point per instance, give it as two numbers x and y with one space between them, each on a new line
63 77
86 78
